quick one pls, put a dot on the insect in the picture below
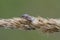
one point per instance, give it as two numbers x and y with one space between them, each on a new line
46 25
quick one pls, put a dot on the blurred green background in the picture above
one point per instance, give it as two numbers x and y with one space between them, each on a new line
16 8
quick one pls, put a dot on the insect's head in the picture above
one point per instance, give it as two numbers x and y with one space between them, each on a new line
27 17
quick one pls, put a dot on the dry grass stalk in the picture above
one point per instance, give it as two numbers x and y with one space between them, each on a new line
31 23
14 23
